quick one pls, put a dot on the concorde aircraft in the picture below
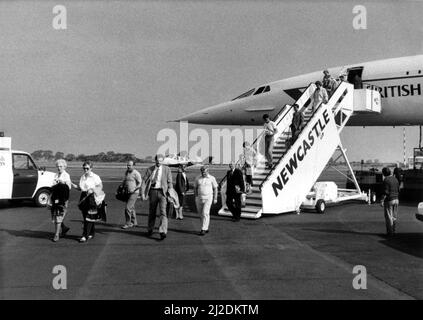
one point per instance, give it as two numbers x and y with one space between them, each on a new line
399 81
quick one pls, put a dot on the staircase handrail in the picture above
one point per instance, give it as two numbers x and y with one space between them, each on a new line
334 96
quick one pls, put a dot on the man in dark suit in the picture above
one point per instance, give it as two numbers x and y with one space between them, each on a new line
157 180
297 123
235 186
181 188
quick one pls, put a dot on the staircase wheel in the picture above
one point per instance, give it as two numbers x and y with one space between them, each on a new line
321 206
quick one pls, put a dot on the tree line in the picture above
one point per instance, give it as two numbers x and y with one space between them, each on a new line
109 156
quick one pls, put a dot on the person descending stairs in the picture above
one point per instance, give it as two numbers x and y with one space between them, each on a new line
268 193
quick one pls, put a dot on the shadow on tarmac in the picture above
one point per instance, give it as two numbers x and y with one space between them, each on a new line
7 204
116 228
409 243
36 234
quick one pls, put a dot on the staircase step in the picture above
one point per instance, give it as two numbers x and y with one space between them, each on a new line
261 172
254 196
253 202
279 147
248 209
245 210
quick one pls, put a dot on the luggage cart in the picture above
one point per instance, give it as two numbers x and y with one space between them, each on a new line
326 193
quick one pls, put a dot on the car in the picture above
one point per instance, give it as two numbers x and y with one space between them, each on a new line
21 178
419 214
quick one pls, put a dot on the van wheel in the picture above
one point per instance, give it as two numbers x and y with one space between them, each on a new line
41 197
321 206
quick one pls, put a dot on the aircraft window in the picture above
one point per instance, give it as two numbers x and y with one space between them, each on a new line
407 73
267 89
245 94
259 90
420 71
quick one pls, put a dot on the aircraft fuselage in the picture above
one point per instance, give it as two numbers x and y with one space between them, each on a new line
399 81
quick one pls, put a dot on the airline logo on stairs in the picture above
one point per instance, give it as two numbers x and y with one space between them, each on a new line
299 169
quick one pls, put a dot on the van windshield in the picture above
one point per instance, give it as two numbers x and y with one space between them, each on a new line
23 162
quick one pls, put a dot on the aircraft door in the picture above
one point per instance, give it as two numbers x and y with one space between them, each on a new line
354 76
25 176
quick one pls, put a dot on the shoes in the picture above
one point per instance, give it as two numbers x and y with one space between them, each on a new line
83 239
90 237
162 235
65 230
135 225
56 238
236 219
203 232
150 233
127 226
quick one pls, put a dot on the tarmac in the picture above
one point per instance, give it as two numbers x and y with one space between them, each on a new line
290 256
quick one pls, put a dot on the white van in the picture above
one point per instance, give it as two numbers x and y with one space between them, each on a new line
20 178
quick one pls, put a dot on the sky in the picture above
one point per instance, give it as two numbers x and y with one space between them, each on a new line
122 69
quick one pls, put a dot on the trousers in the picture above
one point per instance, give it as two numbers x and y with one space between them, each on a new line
157 198
203 208
268 149
130 213
391 214
233 201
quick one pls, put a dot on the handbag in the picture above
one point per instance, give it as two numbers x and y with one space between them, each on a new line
122 193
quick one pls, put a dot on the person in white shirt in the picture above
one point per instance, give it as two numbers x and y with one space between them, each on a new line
319 96
90 184
248 159
270 130
132 183
60 201
328 83
205 191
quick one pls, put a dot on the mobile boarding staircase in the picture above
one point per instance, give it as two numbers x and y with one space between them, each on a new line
296 167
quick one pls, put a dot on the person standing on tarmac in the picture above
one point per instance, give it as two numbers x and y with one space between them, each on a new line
60 198
235 187
390 200
156 183
90 185
205 192
181 188
132 183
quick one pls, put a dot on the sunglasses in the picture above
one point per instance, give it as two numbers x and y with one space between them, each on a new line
85 168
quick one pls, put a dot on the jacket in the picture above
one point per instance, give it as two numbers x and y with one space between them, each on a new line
181 185
234 179
173 198
59 194
166 180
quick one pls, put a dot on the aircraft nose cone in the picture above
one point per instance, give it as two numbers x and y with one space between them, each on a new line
196 117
